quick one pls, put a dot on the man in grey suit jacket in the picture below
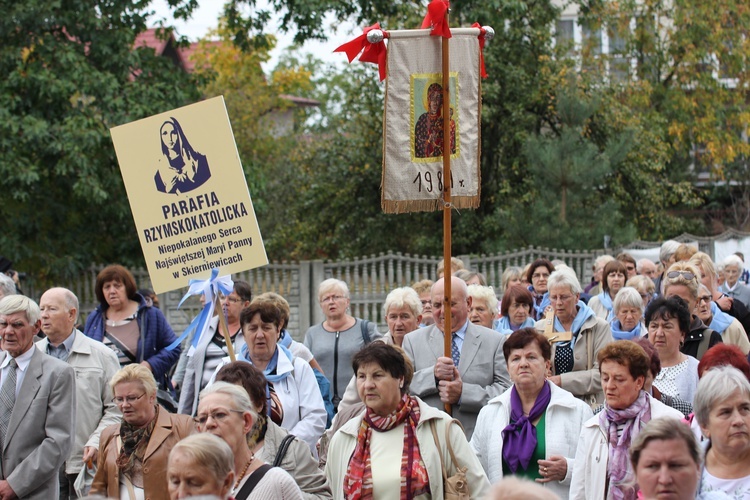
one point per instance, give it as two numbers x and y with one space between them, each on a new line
94 364
481 374
41 429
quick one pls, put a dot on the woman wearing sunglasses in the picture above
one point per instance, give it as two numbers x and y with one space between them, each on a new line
682 280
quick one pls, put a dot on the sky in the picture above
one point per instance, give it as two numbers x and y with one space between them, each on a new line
206 16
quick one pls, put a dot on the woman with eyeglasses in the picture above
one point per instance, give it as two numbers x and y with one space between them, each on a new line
212 348
133 454
225 410
270 442
729 328
721 302
538 275
334 341
682 280
613 279
574 361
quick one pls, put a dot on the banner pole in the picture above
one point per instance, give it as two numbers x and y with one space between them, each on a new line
225 328
447 336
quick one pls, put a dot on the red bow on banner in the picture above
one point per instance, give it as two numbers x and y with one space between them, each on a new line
482 32
436 18
371 52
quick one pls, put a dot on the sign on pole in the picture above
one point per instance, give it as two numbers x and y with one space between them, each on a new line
188 194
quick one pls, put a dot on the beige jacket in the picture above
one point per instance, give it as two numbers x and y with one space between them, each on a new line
94 365
344 441
584 382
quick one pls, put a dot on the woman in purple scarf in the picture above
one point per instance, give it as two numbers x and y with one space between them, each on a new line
532 429
603 469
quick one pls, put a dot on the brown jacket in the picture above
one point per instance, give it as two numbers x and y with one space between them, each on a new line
169 429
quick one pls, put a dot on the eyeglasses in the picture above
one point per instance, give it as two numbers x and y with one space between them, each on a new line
331 298
685 274
560 298
127 399
540 275
218 416
705 298
232 300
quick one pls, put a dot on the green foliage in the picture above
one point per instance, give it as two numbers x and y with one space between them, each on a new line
71 74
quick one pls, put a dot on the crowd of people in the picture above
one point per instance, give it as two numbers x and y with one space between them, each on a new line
634 386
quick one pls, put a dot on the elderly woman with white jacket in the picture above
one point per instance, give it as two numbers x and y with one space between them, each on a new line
295 402
397 446
603 468
502 438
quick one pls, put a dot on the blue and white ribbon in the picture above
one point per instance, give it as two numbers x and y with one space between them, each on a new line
209 288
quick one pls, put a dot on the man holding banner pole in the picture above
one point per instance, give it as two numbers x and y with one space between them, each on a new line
473 373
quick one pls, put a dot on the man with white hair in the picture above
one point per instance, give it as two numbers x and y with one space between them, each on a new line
476 370
94 364
733 268
37 406
646 267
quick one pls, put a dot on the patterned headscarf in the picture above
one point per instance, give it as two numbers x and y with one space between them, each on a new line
134 443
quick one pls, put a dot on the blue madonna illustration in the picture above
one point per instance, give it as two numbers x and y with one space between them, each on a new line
182 168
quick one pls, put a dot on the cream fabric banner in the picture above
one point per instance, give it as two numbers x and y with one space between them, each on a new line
188 195
413 124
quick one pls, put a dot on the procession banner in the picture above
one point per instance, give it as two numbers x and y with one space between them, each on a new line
413 142
188 194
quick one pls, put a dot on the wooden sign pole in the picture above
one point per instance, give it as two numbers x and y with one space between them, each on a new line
224 328
448 337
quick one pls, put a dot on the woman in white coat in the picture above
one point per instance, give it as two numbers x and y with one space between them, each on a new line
389 450
503 440
602 468
294 400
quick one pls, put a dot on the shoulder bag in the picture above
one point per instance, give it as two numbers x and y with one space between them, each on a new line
455 487
283 447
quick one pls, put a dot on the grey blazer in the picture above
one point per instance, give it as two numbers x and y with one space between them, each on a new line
42 428
482 368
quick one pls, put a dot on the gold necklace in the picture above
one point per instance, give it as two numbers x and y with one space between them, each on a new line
242 475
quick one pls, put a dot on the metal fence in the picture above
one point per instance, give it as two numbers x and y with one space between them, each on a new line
370 279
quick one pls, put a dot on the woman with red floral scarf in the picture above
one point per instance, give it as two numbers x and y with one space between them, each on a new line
389 450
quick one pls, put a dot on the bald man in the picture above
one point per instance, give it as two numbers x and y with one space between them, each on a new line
481 372
94 365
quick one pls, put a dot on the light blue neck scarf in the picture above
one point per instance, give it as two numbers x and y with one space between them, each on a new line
720 320
619 334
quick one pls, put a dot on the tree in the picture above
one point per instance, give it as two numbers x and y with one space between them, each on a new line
688 73
528 71
71 73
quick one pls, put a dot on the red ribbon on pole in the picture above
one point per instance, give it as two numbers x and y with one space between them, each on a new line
482 32
435 18
371 52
